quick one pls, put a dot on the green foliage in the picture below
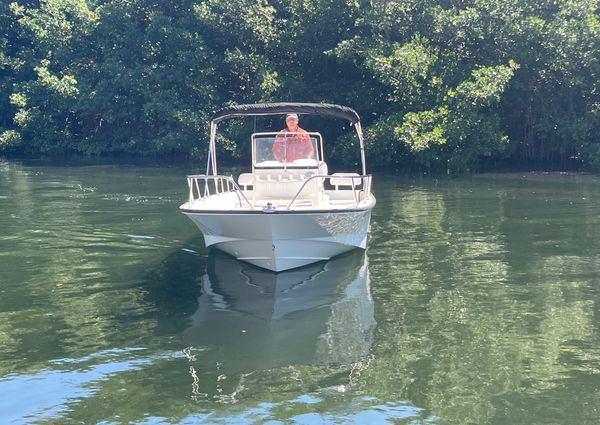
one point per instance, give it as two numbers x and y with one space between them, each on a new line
241 31
9 63
406 70
9 140
420 130
436 82
473 123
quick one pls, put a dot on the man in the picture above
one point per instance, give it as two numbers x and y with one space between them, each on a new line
292 142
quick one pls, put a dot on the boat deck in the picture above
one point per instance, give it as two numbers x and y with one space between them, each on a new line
336 192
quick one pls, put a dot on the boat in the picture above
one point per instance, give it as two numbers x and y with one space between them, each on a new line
286 212
251 319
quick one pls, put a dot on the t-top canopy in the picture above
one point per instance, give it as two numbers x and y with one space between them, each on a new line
286 108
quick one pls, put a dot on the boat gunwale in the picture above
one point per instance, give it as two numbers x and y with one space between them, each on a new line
279 212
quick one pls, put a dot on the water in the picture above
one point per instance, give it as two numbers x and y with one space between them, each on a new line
477 302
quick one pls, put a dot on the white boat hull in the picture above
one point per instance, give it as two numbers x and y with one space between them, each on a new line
283 240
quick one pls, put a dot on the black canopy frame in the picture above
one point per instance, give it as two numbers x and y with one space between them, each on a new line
325 109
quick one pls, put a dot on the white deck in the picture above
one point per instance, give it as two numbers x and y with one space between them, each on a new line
230 201
278 188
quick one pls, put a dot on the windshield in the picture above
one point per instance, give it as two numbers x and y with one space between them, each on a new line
289 148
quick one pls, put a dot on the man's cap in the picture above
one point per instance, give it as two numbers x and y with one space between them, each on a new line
291 116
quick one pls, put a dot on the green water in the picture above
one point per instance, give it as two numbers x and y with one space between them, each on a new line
477 302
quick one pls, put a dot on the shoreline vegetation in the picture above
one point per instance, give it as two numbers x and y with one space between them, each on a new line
441 85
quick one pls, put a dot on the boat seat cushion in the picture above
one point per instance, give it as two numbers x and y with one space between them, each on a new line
245 180
345 179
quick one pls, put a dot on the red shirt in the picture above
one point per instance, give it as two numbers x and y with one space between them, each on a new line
293 145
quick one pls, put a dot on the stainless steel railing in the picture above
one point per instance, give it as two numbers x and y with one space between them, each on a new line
202 186
359 185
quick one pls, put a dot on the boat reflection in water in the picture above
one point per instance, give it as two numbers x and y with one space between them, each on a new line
252 319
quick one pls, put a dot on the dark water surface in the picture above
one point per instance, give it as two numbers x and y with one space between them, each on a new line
477 302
